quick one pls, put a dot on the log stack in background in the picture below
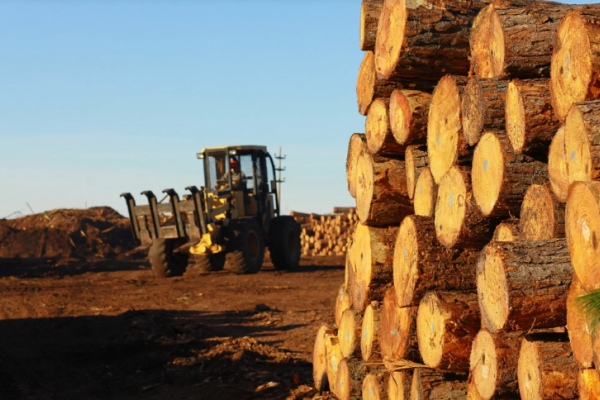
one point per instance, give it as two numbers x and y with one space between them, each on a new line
326 235
478 210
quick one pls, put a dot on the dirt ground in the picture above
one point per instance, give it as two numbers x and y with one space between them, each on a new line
110 330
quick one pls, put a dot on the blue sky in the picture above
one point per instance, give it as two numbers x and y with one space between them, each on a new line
103 97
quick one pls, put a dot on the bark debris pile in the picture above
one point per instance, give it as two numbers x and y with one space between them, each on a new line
478 201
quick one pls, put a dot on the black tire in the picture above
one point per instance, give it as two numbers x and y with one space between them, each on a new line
246 250
164 262
206 264
284 242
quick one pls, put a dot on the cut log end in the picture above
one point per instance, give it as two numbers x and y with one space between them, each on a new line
356 147
484 368
444 128
571 69
577 147
557 166
473 111
538 219
369 332
416 159
397 385
408 112
580 331
365 83
507 231
400 116
487 44
364 186
425 193
406 258
347 333
530 379
582 230
450 207
343 302
390 35
431 322
343 382
320 358
377 126
487 172
371 389
515 118
492 288
589 384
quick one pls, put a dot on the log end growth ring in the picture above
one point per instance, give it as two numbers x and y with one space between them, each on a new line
444 127
557 166
400 116
364 186
487 44
390 36
582 228
406 258
577 147
588 382
515 117
571 69
492 288
537 214
431 321
450 207
424 198
377 125
484 367
370 388
368 333
487 172
473 108
528 371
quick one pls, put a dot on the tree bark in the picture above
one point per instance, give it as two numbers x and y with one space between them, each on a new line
369 87
459 222
542 216
494 363
547 370
425 194
501 44
421 45
320 360
523 285
579 328
447 324
501 178
429 384
397 336
582 141
507 231
483 107
381 191
370 11
530 122
409 111
421 264
446 143
357 145
415 159
369 343
557 166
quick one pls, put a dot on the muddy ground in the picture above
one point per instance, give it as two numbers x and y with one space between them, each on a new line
110 330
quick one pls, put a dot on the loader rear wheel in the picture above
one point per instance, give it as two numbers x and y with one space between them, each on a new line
248 248
164 262
284 242
206 264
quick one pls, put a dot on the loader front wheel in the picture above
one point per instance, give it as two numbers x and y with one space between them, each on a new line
164 262
247 249
284 242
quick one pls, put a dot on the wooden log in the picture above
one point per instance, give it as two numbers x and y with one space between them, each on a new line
542 216
501 177
523 285
370 10
507 231
458 221
425 194
579 328
421 45
446 144
596 348
447 323
357 146
409 112
380 140
530 122
421 264
320 357
352 375
557 166
334 358
372 258
575 68
472 392
483 107
399 384
369 342
397 335
501 44
430 384
589 384
349 333
494 363
582 226
381 192
547 370
369 87
582 141
375 385
343 301
415 159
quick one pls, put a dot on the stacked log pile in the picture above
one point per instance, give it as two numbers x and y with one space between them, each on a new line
326 235
478 205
